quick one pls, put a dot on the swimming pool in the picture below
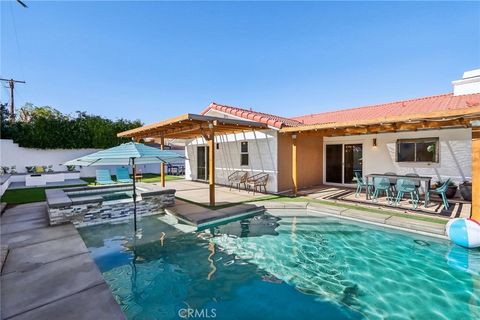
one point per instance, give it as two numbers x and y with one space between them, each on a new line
300 267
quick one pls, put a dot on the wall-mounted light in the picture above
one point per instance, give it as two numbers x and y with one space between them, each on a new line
294 136
374 142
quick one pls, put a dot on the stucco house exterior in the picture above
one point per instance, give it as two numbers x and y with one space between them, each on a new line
431 136
326 159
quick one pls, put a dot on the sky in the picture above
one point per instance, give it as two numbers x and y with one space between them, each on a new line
155 60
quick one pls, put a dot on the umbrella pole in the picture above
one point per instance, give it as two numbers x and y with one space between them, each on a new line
134 196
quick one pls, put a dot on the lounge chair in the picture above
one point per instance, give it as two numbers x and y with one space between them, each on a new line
258 180
103 177
238 177
123 175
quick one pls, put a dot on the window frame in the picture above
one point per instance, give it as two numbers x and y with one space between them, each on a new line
242 153
415 141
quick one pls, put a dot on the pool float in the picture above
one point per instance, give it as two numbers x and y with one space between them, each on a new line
464 232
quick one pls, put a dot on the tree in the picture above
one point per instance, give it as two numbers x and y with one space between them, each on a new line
48 128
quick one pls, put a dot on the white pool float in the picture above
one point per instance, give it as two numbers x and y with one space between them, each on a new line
464 232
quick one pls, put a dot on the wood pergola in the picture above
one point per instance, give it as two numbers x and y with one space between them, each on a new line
191 126
456 118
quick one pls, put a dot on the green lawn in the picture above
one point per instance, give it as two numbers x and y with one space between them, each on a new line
20 196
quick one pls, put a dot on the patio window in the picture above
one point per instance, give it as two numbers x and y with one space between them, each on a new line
244 153
417 150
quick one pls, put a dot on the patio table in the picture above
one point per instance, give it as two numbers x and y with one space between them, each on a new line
427 180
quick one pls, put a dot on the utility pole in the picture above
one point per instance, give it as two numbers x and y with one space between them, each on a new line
11 83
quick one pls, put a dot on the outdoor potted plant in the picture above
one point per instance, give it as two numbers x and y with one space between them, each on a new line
466 190
451 190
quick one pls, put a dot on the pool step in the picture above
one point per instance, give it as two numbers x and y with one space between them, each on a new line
201 217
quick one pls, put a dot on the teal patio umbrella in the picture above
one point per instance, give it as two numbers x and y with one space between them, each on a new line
127 154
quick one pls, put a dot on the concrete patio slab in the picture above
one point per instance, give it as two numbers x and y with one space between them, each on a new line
11 216
13 227
24 291
49 273
79 306
29 257
19 239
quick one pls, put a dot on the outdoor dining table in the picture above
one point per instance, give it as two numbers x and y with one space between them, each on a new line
393 179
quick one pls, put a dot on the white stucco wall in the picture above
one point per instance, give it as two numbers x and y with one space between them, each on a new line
11 154
455 153
262 149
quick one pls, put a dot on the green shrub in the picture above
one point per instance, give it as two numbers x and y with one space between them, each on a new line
48 128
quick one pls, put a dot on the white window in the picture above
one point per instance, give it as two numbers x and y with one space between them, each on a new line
244 153
417 150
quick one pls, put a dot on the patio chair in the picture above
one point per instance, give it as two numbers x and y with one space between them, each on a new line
441 191
123 175
407 186
361 183
392 181
103 177
138 175
258 180
382 185
238 177
418 184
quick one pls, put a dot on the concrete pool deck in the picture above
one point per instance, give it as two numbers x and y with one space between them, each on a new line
48 272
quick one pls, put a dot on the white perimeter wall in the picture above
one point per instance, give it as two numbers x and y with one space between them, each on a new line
262 151
11 154
455 153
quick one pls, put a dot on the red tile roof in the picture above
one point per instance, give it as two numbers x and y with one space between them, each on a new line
265 118
398 108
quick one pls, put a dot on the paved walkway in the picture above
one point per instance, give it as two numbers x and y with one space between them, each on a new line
199 192
48 272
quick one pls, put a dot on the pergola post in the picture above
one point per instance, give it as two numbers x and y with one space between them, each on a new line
476 170
211 167
162 165
294 164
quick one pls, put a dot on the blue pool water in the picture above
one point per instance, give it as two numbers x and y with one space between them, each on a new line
294 268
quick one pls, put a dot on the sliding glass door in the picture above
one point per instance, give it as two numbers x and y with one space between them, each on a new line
334 163
353 157
342 161
202 162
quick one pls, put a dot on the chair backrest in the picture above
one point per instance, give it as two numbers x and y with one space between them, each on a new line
359 177
444 186
238 175
381 182
103 175
405 184
122 173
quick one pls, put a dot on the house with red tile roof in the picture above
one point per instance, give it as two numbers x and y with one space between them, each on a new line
433 136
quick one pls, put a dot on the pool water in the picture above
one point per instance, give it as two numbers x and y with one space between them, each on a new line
294 268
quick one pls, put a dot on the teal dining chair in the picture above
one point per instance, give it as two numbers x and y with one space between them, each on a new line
382 185
441 191
407 186
361 183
